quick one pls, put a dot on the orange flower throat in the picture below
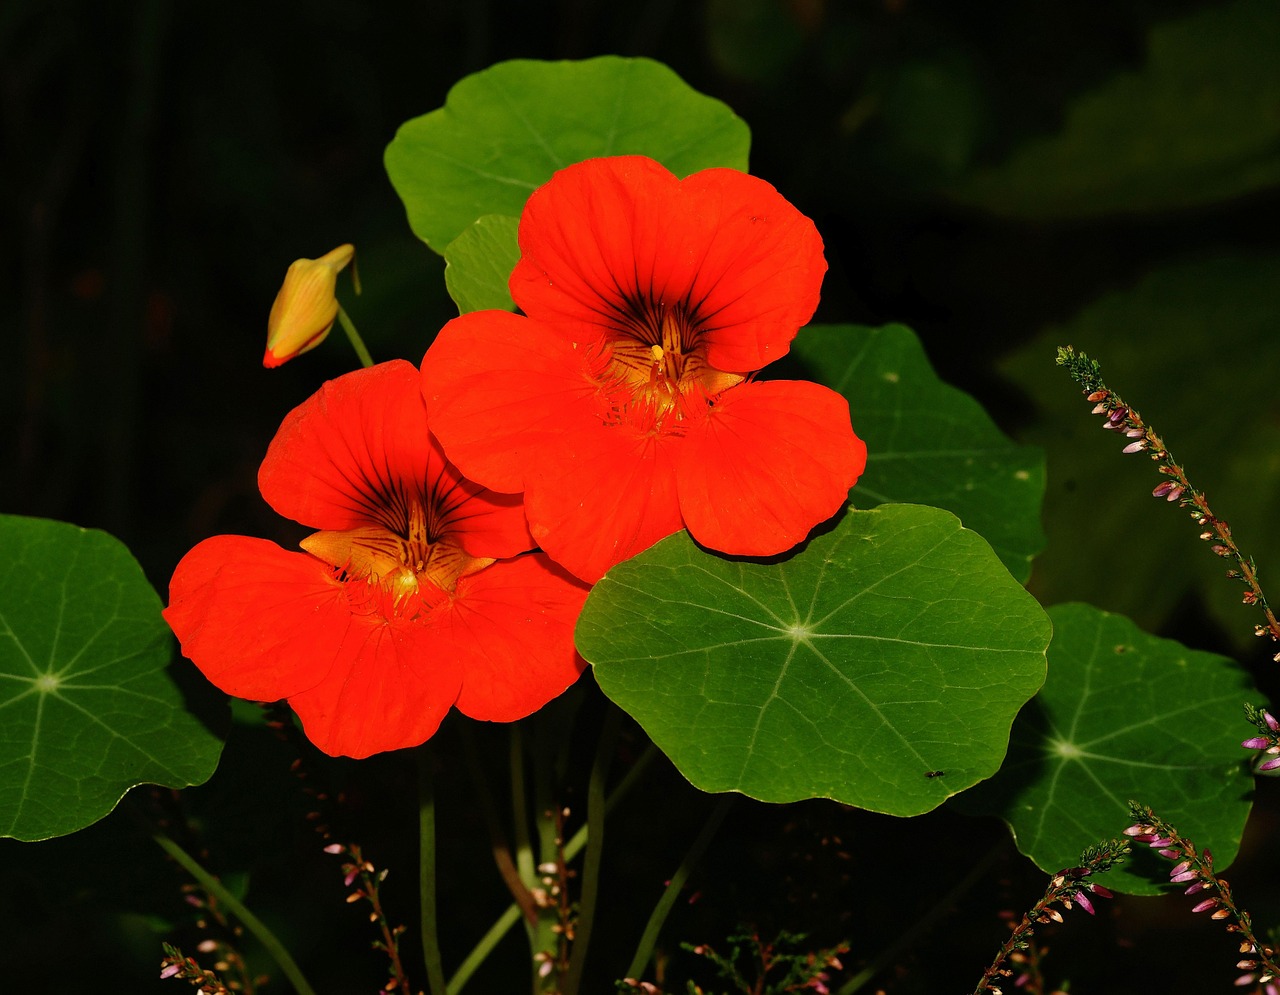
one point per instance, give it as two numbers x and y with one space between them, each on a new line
657 369
400 565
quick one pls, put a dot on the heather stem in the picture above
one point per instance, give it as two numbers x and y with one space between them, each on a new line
1123 419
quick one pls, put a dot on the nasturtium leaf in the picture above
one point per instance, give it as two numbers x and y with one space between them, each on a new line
927 442
1193 347
1124 715
479 264
889 648
1196 124
503 131
88 708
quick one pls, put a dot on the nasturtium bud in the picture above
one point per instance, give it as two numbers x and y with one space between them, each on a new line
306 306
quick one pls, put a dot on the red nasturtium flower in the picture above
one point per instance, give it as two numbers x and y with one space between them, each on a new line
412 597
623 402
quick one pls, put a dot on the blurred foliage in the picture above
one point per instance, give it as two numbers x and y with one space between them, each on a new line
979 172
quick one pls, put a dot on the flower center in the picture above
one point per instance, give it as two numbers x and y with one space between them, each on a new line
658 362
401 569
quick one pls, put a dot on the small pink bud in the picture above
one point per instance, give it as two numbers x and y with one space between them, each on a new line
1257 743
1205 906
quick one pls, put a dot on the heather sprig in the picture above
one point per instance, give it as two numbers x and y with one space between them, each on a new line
1118 416
367 880
1267 741
1067 888
176 964
1195 870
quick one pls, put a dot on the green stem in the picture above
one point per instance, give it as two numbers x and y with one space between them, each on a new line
357 343
659 915
251 922
482 949
427 872
596 802
511 916
520 809
497 841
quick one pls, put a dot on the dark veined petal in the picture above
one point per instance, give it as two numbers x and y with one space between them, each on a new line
607 238
767 463
358 451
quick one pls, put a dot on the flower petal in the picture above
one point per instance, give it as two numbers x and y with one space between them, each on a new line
603 495
514 622
260 622
357 449
606 237
390 684
499 389
769 462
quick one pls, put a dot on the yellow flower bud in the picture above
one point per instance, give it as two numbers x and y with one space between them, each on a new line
306 307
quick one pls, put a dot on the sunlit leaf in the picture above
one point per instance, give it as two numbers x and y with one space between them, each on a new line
927 442
480 261
1194 348
1196 124
89 708
881 666
1124 715
503 131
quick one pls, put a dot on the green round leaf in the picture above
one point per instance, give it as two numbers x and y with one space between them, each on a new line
927 442
89 707
479 264
1196 125
891 648
503 131
1124 715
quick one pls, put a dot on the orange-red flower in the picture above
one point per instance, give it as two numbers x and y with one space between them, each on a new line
623 403
412 597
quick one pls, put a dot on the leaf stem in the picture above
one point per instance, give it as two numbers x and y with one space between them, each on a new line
252 923
660 911
596 802
427 871
511 915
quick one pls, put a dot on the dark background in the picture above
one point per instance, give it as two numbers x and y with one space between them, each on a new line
161 165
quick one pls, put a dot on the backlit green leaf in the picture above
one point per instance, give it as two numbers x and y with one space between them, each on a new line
89 708
881 665
479 264
1124 715
927 442
503 131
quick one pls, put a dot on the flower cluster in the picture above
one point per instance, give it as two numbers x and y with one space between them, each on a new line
1195 870
1067 888
1267 741
461 511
